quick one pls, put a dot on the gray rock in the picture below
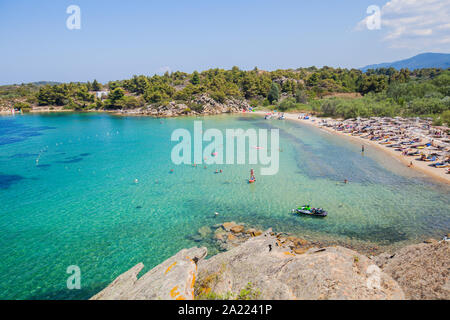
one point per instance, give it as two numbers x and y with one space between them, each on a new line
204 231
210 107
196 238
422 270
220 234
171 280
278 273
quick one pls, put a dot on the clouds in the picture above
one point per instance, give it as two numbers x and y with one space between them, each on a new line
415 24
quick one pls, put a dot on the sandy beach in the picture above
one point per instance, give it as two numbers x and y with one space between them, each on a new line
421 166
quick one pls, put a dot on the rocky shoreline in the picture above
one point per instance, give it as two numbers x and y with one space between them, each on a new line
225 236
228 235
268 265
200 105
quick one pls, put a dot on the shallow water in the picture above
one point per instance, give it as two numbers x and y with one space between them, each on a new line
68 196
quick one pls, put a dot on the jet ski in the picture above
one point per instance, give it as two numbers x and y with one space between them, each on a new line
307 210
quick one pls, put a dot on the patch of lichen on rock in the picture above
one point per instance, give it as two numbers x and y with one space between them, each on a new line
203 288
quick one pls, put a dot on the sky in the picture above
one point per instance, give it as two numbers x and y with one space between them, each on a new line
118 39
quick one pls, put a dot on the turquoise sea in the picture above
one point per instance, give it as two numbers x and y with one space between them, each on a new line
68 196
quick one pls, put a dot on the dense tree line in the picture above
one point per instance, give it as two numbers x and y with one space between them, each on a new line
421 97
384 91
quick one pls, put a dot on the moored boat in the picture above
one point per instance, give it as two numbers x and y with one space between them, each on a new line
307 210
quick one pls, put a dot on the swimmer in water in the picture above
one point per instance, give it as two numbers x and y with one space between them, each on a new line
136 180
252 175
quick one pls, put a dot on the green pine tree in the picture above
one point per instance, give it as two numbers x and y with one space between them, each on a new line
274 93
96 86
195 78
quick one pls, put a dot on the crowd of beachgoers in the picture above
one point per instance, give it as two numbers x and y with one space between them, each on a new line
413 139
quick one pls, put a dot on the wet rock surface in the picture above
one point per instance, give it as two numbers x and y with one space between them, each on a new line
231 234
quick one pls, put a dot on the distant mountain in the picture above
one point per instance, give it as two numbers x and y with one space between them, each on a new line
424 60
36 83
43 83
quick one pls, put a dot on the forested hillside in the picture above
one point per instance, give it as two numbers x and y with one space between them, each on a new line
327 91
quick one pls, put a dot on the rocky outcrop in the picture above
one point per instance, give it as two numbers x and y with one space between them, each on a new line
204 105
268 265
171 280
231 105
282 80
422 270
231 234
277 272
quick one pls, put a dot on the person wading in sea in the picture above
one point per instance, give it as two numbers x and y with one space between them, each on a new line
252 175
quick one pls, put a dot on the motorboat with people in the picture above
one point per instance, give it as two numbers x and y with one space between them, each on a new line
309 211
